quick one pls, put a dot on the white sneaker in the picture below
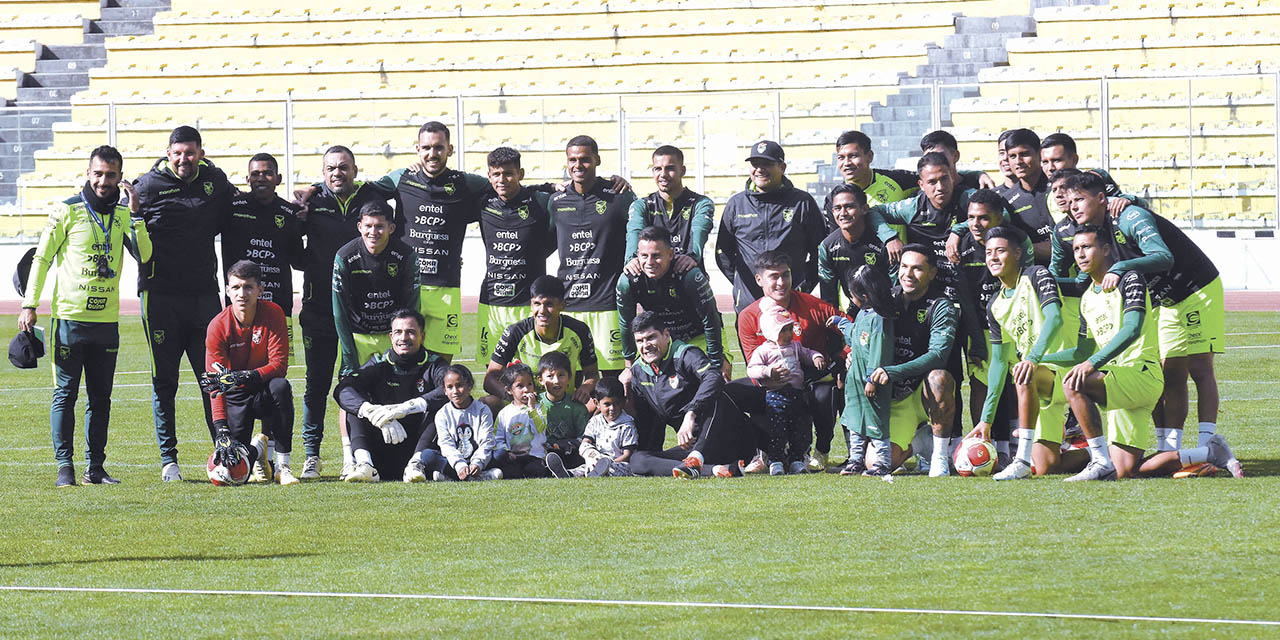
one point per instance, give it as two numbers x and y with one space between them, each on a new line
311 468
939 469
775 469
347 468
285 477
1220 456
439 476
414 472
490 474
363 472
257 474
1094 471
170 473
259 442
1017 469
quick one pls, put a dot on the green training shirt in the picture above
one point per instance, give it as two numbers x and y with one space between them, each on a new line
73 238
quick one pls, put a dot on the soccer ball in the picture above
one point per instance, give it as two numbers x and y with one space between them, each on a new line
222 475
975 457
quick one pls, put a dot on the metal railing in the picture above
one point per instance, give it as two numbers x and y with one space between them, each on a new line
1202 150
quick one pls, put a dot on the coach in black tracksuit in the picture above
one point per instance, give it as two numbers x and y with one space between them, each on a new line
184 199
770 214
331 223
669 381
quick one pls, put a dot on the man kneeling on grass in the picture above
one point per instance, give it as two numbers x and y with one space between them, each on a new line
1116 385
676 384
246 357
391 402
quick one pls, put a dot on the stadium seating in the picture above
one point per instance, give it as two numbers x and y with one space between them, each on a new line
1209 132
357 73
23 24
366 74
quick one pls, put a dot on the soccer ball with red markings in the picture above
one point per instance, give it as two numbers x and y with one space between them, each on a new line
223 475
975 457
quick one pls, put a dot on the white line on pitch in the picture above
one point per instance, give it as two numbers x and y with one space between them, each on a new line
641 603
1256 333
1255 346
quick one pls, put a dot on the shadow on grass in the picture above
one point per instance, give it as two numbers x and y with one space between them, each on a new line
1260 468
173 558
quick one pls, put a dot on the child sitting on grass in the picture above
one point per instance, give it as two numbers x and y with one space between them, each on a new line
520 431
464 429
778 365
609 440
566 418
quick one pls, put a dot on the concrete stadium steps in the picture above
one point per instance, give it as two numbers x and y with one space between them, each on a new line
61 56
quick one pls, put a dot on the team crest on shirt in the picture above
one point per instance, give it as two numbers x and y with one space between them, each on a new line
157 336
279 221
869 258
257 335
674 381
64 352
788 214
1193 318
449 189
1120 237
600 207
523 212
393 269
921 314
864 339
422 386
208 188
686 213
672 292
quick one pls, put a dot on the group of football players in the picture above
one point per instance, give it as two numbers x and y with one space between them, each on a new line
1074 312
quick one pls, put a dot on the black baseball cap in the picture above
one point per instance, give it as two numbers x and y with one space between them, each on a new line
767 150
23 271
25 349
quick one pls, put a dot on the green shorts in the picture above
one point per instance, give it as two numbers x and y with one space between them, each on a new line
442 308
1135 387
1132 392
1053 410
367 344
1195 325
906 416
978 372
605 333
491 321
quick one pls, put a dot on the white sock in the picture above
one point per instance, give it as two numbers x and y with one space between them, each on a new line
1168 439
1098 450
697 455
1024 437
417 457
1002 447
260 448
1193 456
362 456
271 449
282 459
1207 429
941 445
347 460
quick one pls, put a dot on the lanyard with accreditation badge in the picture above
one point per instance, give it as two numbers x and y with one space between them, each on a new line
102 261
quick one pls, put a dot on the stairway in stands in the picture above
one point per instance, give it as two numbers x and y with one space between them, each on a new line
978 43
44 97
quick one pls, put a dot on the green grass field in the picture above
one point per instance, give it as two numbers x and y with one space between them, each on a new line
1203 548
